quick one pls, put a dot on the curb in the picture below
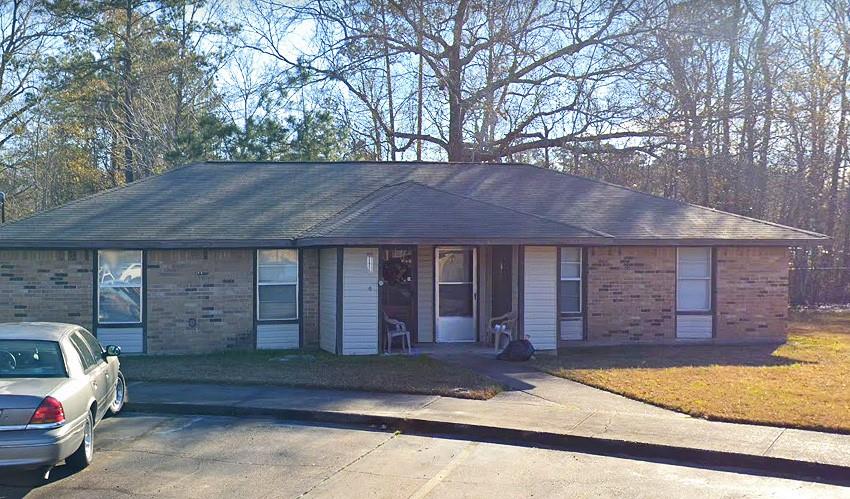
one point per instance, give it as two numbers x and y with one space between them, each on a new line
722 460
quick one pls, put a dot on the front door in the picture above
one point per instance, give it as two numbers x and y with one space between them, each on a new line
501 269
398 287
455 294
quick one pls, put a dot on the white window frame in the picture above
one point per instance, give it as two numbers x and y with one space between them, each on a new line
578 279
141 287
278 283
707 279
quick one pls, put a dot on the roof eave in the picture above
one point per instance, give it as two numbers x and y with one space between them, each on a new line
446 240
373 241
146 244
560 241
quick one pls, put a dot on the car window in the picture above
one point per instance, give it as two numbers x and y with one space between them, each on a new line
94 345
73 359
84 351
31 359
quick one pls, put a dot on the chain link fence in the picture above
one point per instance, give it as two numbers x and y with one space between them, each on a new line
819 285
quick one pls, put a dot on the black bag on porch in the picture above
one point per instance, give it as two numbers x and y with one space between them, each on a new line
517 350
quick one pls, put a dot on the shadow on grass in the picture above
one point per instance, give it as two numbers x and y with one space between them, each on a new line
419 375
667 356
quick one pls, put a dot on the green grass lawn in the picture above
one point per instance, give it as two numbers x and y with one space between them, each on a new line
804 383
401 374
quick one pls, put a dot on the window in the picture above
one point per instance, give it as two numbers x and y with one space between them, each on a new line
83 350
31 359
569 288
91 341
693 275
277 284
119 287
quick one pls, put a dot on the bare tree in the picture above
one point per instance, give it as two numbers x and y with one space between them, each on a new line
499 74
27 32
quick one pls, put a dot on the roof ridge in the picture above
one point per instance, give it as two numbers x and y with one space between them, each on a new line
99 194
363 162
534 215
329 219
537 167
685 203
410 183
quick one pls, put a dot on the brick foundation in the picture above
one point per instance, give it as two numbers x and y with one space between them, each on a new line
752 294
46 285
631 294
199 300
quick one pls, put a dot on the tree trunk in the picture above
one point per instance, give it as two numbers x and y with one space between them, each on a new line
388 69
180 90
127 68
840 146
454 86
419 86
767 78
729 84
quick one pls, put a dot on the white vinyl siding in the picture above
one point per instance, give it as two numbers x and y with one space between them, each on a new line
360 301
130 339
327 299
277 336
693 293
540 275
425 295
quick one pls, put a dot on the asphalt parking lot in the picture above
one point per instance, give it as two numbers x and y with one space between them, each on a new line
201 456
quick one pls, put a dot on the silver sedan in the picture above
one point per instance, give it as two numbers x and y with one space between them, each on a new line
56 383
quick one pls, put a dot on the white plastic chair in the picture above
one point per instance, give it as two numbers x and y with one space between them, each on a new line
502 325
396 328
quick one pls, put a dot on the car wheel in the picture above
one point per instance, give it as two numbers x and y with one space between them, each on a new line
83 456
120 395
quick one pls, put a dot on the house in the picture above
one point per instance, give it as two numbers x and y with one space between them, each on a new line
238 255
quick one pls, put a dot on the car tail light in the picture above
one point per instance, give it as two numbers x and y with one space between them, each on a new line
50 411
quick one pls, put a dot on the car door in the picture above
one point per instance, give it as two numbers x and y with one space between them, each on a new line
106 384
95 369
108 365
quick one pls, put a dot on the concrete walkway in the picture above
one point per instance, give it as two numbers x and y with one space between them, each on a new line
536 403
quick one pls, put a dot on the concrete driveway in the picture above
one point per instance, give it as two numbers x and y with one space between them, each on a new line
195 456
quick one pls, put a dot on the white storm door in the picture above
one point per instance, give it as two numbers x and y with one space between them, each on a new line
455 294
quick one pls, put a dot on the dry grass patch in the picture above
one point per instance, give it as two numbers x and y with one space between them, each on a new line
804 383
401 374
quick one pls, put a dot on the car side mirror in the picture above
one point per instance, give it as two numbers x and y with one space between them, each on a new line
112 351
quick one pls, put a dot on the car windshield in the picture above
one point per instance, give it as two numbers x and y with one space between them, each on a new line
31 359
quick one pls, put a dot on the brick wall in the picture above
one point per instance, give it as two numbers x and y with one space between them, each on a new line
631 294
202 300
752 294
310 297
46 285
199 300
